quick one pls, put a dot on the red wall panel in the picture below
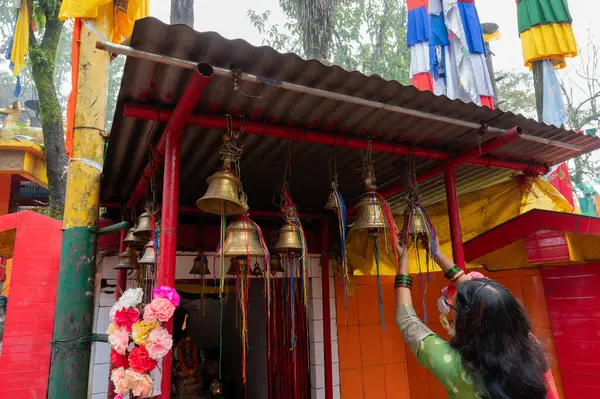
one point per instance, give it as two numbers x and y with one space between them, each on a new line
573 300
25 358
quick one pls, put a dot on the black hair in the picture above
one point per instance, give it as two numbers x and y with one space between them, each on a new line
493 336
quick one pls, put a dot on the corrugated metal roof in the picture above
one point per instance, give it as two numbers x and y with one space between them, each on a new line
150 83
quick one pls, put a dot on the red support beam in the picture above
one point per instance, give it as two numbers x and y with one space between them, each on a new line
458 251
468 157
170 199
190 97
327 361
317 137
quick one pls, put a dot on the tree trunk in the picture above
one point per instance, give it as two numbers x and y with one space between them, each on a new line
182 12
43 64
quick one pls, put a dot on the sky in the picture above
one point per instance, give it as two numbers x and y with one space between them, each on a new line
228 17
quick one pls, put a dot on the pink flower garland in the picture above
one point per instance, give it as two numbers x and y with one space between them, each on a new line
131 372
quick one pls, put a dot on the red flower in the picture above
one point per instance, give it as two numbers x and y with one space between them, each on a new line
126 317
140 361
118 360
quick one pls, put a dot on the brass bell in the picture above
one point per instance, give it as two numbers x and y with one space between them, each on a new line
242 240
237 266
132 241
331 203
369 214
256 270
125 260
223 188
276 266
148 258
200 266
144 226
289 239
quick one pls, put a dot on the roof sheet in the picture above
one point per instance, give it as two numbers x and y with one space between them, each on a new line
146 82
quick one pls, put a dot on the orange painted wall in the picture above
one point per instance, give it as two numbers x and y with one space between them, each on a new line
376 364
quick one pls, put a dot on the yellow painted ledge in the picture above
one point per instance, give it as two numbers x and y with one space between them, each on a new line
25 159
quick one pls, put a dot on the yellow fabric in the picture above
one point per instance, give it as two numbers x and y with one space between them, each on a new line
492 37
86 9
551 41
20 45
480 211
123 22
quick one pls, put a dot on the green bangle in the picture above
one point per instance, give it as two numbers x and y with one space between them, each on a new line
403 280
453 271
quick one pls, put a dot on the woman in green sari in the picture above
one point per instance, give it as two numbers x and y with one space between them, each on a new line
492 353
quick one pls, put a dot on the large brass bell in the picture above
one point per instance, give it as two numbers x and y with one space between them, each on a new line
132 241
223 189
125 260
148 258
369 214
289 239
144 226
200 266
276 266
242 240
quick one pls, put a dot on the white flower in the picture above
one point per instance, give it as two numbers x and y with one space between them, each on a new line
131 298
113 310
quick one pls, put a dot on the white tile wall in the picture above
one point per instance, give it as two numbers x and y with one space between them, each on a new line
315 315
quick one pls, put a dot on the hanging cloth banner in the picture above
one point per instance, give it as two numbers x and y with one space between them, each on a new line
18 44
126 13
554 106
546 32
457 52
561 180
417 38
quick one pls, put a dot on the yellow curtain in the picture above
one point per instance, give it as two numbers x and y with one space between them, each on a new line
480 211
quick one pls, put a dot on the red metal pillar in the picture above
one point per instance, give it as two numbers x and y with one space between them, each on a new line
458 252
168 234
326 311
170 199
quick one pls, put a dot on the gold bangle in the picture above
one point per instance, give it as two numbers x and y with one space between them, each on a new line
457 276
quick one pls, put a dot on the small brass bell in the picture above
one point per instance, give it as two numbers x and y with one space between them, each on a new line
369 214
289 239
237 266
276 266
148 258
125 260
223 188
242 240
144 226
132 241
331 202
200 266
256 270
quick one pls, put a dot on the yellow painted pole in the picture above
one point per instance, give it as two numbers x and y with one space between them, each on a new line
75 295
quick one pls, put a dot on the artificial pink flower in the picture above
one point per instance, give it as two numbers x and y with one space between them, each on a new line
168 293
120 380
119 340
118 360
140 361
126 317
140 383
159 309
159 344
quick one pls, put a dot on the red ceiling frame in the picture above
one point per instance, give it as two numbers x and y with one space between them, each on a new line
318 137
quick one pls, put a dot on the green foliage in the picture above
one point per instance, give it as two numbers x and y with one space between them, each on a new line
366 36
516 93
